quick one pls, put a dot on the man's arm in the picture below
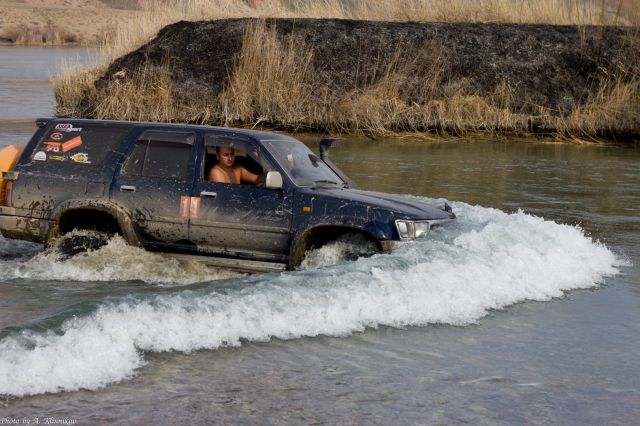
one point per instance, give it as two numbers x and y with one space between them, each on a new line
247 177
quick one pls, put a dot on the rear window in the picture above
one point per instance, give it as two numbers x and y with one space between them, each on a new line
78 145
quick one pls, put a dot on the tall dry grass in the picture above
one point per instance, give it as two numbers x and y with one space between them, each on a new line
614 106
558 12
273 84
48 35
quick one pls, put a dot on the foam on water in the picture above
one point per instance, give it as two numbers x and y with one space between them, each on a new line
487 260
117 261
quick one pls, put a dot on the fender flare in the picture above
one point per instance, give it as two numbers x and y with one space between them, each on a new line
121 215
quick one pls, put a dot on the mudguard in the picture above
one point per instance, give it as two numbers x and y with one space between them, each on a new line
119 213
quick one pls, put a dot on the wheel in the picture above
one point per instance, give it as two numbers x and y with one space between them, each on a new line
346 248
77 242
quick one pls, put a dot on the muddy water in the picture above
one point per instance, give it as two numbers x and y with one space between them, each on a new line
526 310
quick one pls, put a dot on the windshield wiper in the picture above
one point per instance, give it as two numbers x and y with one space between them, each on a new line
325 181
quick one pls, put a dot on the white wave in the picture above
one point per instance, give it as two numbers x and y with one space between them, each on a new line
347 247
117 261
487 260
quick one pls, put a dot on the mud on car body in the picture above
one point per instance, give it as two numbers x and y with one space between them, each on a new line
148 183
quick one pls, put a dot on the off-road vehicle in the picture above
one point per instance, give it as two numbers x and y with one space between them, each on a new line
148 183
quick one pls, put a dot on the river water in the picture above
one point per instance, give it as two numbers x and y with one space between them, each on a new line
525 311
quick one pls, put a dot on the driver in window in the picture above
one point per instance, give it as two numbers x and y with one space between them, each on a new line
226 171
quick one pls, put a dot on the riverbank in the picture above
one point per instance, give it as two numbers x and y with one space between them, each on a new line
61 22
123 25
375 78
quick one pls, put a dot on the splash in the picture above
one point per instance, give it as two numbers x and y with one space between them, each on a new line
347 247
487 260
117 261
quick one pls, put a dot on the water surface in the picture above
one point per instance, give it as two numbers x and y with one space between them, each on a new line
26 88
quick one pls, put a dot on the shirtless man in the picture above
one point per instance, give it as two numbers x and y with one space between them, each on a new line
226 171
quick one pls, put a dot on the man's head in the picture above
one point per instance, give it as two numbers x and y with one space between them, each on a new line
226 155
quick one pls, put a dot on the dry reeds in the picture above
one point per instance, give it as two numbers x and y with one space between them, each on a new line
273 84
614 109
558 12
41 36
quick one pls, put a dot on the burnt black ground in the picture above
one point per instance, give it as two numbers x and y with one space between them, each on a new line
550 67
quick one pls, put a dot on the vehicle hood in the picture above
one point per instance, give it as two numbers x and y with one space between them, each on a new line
401 207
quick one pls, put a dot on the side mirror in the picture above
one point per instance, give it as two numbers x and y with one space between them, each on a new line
273 180
325 145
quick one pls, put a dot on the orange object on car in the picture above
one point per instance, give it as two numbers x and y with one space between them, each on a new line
70 144
8 158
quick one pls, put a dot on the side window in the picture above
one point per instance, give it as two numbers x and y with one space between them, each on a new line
133 166
167 160
75 145
246 155
157 155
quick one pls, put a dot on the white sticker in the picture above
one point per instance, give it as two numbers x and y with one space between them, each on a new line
40 156
66 127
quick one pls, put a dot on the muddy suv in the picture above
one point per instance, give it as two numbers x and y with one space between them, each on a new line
148 183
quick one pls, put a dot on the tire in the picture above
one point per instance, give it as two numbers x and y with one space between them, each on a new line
346 248
78 242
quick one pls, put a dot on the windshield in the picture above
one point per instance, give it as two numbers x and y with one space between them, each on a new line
302 165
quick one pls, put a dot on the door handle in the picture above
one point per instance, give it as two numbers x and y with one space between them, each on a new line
127 188
208 194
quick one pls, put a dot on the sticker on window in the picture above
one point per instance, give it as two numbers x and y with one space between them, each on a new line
81 157
67 127
40 156
52 147
71 144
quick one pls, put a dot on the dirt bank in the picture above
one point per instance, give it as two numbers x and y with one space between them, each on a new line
410 76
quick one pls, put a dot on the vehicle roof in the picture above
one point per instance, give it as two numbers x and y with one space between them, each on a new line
226 131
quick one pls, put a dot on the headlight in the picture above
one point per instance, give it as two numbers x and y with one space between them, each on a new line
408 229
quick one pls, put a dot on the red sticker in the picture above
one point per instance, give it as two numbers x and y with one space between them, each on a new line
51 147
195 208
185 202
70 144
57 136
